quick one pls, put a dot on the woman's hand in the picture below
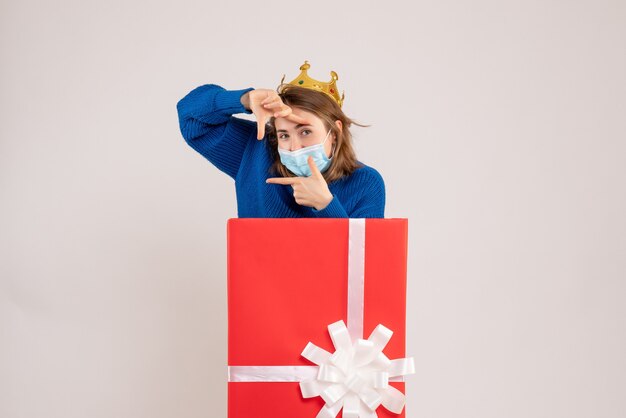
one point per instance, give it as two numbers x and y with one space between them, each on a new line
308 191
265 103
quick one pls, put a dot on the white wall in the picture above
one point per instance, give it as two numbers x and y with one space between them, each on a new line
499 129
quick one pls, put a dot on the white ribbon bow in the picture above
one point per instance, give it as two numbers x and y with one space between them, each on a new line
356 376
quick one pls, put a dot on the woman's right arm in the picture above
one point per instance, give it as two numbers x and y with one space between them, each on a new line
207 124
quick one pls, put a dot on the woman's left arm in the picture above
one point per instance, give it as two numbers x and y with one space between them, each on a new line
370 204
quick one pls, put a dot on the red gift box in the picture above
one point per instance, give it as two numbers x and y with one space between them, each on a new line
288 279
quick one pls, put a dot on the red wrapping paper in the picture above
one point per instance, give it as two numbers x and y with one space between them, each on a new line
287 281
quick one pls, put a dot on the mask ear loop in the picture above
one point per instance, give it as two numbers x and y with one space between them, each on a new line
332 151
324 141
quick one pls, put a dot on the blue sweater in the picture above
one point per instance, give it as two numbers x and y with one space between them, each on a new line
208 126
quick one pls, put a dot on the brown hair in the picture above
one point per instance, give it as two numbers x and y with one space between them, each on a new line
344 160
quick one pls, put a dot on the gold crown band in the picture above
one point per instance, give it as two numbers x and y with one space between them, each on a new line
330 88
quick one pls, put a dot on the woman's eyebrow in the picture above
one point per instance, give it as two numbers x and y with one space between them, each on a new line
297 126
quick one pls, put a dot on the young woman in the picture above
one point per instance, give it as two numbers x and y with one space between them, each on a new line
305 166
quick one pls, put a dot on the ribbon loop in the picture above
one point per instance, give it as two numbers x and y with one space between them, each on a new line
351 407
401 367
364 352
393 399
381 380
329 373
333 393
329 411
312 388
340 336
315 354
371 398
381 362
367 413
380 336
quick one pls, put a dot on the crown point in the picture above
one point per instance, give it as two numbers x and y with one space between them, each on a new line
334 75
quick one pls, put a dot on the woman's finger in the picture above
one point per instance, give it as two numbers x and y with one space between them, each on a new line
283 180
260 127
304 201
270 97
284 112
298 119
270 105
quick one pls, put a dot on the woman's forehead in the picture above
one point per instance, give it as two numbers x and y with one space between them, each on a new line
310 118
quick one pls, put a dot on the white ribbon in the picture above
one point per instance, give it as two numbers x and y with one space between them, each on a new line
355 377
356 277
271 373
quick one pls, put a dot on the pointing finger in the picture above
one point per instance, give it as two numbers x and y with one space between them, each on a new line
283 180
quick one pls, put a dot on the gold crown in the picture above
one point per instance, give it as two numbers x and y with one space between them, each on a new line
330 88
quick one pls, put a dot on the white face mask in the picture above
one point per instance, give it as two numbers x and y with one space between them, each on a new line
296 161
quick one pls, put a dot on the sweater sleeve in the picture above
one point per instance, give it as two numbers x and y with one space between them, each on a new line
207 125
371 203
368 191
333 210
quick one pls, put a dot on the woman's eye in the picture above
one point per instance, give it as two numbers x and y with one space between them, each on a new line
284 136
